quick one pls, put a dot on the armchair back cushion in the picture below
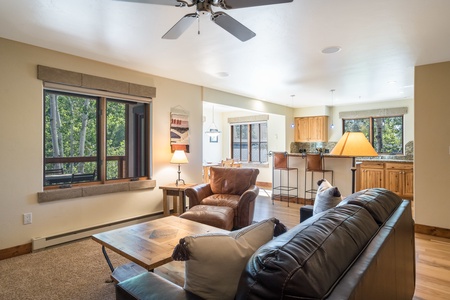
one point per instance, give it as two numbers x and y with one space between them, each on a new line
232 181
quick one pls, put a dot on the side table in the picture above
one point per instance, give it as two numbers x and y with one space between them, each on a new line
178 195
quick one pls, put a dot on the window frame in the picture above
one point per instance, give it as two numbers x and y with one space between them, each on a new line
249 142
372 131
103 98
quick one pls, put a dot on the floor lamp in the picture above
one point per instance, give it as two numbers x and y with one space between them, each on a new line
353 144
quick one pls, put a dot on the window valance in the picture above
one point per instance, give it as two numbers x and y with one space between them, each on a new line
74 80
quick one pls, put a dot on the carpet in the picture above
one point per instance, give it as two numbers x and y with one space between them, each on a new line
76 270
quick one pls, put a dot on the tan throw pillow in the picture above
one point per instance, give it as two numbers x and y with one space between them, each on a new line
327 197
216 261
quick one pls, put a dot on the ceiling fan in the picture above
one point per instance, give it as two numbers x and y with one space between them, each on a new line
203 7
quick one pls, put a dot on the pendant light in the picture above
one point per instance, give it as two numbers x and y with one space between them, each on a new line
292 105
332 100
213 131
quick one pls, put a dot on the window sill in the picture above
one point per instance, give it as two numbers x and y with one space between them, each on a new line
94 190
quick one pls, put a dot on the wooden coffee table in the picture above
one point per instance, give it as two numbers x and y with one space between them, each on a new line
148 245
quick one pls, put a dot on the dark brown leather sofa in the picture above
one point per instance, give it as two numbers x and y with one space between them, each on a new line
362 249
232 187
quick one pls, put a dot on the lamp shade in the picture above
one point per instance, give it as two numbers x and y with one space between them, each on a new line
353 144
179 157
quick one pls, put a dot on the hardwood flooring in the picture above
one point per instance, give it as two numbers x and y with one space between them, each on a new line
432 253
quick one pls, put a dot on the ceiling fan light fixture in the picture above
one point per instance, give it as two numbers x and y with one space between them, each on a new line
331 49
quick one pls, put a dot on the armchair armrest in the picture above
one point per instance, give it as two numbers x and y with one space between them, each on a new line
246 206
197 193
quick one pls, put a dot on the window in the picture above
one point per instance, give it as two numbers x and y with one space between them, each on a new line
384 133
79 135
249 142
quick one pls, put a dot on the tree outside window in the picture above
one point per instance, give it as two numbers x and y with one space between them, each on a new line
384 133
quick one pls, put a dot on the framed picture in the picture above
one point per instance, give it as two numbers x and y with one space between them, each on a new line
214 139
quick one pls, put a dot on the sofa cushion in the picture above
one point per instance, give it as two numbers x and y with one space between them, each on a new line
327 197
308 260
217 260
233 181
380 202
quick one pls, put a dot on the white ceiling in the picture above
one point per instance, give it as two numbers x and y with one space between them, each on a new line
381 43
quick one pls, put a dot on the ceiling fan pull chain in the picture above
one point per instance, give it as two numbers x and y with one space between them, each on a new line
198 26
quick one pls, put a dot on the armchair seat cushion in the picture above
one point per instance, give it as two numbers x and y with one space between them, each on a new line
231 201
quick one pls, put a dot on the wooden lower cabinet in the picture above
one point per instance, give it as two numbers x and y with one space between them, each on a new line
396 177
372 175
400 179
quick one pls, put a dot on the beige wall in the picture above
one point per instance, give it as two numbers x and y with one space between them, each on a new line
21 148
432 143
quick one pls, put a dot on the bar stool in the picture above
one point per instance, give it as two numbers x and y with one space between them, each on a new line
314 164
280 163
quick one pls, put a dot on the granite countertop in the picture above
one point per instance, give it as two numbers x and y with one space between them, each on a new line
383 158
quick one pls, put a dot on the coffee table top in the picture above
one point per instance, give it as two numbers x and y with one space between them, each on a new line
151 244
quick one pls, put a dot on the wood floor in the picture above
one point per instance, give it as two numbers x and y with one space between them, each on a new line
432 254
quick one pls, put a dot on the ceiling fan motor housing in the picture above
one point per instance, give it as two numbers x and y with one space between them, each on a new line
204 8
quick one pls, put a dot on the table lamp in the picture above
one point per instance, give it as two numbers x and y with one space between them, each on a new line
353 144
179 157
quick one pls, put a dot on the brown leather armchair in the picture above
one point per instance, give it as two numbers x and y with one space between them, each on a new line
232 187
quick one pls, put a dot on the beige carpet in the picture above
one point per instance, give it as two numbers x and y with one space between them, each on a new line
72 271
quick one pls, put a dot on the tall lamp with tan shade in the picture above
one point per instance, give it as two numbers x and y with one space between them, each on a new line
179 157
353 144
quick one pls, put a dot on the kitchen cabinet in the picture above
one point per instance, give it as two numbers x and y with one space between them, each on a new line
311 129
400 179
396 177
372 175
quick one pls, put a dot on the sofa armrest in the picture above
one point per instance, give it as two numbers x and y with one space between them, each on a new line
197 193
148 286
306 212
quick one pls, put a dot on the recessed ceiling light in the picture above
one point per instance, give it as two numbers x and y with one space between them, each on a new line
330 50
222 74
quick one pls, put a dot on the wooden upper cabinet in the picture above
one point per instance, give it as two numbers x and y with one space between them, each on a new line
311 129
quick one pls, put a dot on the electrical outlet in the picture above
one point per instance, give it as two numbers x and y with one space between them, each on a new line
27 218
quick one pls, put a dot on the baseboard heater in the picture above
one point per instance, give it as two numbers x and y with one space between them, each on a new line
44 242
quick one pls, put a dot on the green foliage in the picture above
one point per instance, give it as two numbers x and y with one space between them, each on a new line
71 109
387 132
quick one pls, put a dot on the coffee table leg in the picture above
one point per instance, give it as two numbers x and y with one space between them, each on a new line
107 259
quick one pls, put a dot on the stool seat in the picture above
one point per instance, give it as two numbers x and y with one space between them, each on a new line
217 216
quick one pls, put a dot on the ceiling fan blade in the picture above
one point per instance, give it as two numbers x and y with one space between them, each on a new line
158 2
232 26
229 4
180 27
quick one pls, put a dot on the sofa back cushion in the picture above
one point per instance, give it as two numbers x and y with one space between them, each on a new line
308 260
380 203
234 181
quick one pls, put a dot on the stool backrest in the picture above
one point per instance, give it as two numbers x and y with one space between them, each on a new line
280 160
314 162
